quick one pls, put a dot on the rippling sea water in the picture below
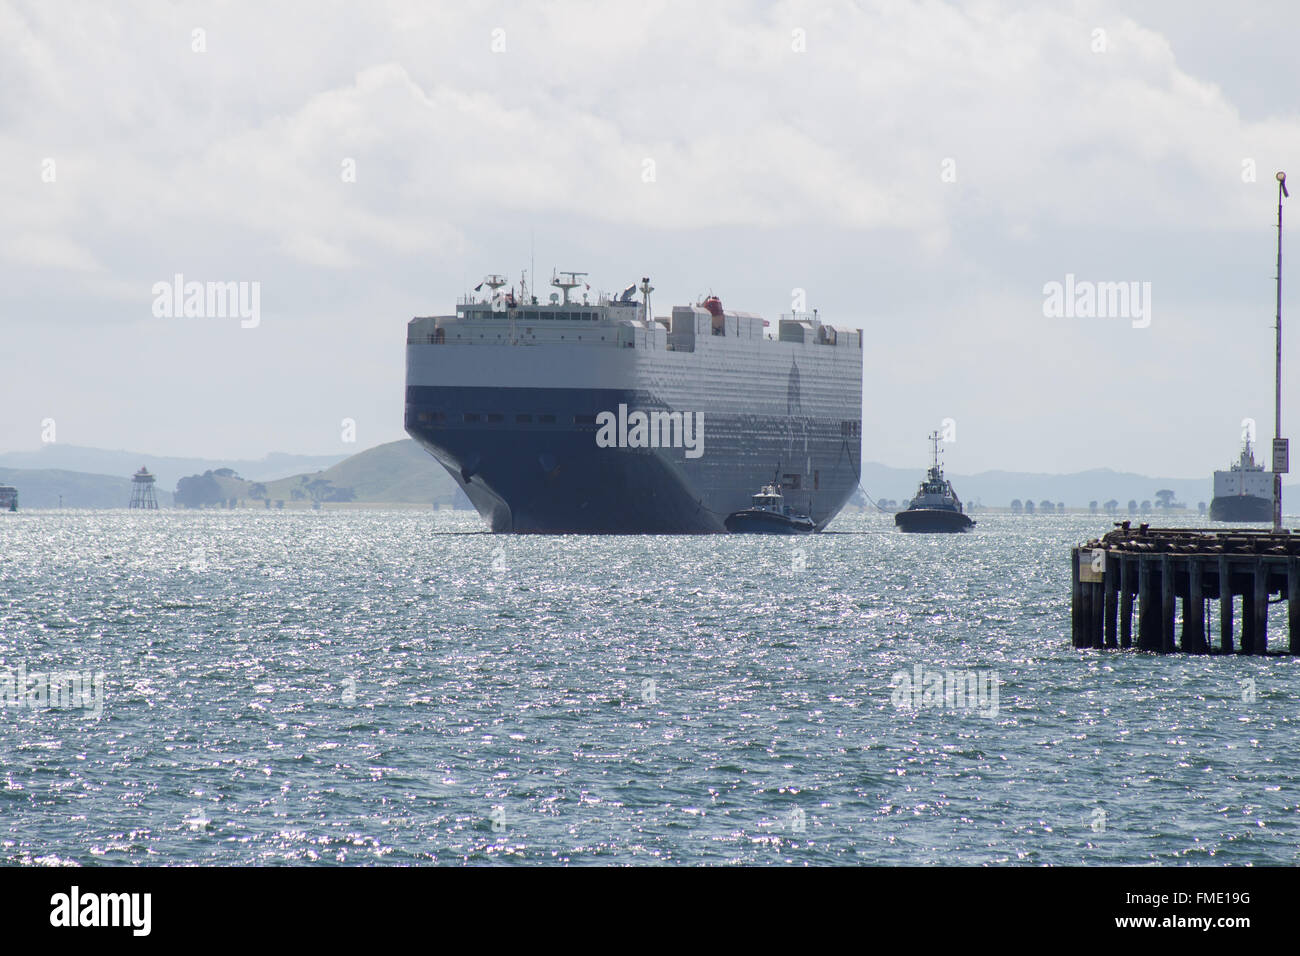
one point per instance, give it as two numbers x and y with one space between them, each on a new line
398 688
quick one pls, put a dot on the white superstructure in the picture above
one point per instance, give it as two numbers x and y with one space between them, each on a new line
1244 478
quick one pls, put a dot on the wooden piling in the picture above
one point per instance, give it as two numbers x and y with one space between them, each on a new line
1094 615
1225 605
1112 602
1076 599
1166 604
1247 622
1085 614
1099 613
1261 607
1126 601
1148 638
1293 604
1194 610
1153 570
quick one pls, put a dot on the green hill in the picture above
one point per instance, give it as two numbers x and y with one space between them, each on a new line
398 473
42 487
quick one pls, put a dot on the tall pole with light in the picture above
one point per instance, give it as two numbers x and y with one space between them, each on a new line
1280 463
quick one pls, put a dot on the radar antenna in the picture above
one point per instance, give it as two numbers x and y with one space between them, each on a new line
572 282
493 282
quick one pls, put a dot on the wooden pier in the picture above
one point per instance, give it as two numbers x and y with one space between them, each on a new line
1156 569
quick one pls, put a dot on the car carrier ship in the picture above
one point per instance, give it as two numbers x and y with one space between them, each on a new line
589 414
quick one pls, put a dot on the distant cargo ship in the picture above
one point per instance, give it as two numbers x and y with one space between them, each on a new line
1244 492
8 498
596 416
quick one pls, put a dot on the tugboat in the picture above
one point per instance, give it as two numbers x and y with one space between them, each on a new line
768 515
936 507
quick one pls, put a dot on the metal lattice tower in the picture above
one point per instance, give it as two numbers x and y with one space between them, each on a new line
142 493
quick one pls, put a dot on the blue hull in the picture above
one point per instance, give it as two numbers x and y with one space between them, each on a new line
933 521
549 476
764 522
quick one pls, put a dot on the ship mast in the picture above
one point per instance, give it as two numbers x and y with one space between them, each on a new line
1279 443
646 289
494 282
572 283
934 440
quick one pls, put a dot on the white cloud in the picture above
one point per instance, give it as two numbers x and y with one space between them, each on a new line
48 252
742 129
226 164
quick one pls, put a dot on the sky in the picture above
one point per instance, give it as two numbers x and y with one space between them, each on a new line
923 171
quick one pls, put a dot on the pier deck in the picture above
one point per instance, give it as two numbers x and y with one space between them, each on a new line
1150 570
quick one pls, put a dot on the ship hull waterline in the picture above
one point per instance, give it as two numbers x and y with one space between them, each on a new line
932 521
1241 508
765 522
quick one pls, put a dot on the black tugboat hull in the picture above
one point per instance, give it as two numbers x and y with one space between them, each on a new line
933 521
764 522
